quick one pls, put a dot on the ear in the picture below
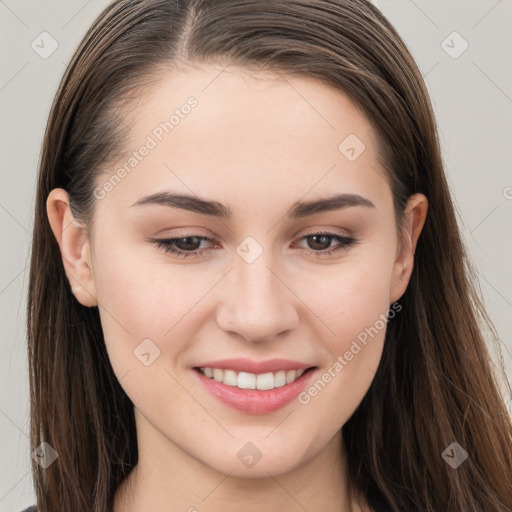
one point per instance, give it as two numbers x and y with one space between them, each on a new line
415 216
74 247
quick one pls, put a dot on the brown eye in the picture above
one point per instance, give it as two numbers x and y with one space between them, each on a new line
321 242
182 246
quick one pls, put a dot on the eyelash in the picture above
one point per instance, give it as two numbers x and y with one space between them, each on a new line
167 244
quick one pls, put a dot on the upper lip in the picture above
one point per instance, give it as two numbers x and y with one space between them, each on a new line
256 367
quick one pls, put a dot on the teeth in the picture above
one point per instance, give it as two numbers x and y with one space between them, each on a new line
265 381
279 379
246 380
230 378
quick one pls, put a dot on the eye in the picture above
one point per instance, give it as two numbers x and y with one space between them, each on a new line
324 238
189 245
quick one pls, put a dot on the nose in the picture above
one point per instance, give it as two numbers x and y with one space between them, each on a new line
257 302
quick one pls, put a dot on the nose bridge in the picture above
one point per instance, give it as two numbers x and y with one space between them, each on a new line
258 305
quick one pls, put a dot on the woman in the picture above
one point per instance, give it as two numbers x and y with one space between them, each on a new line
248 287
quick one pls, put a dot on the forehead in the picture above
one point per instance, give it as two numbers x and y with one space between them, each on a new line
215 132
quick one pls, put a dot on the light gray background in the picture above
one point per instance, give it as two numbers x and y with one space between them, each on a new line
472 97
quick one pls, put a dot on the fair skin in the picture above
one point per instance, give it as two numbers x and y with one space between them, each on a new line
257 144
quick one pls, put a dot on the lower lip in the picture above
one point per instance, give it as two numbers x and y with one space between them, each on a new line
253 401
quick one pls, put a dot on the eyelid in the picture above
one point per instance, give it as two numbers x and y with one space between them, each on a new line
324 231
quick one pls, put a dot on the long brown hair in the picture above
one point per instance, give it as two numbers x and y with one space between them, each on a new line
434 385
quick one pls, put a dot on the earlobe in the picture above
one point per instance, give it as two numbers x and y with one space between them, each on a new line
74 247
415 217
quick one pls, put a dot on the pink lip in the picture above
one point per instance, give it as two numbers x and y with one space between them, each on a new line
253 401
256 367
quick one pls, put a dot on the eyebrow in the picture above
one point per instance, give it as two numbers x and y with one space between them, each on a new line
216 209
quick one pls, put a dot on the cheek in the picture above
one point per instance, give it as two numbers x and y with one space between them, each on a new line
148 319
352 304
141 289
352 297
144 299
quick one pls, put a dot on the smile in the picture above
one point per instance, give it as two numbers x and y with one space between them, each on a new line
255 393
245 380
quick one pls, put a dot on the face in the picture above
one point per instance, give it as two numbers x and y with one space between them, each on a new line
263 277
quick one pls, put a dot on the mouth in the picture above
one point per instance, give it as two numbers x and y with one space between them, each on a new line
254 393
246 380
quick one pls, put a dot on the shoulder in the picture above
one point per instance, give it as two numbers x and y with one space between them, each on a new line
30 509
